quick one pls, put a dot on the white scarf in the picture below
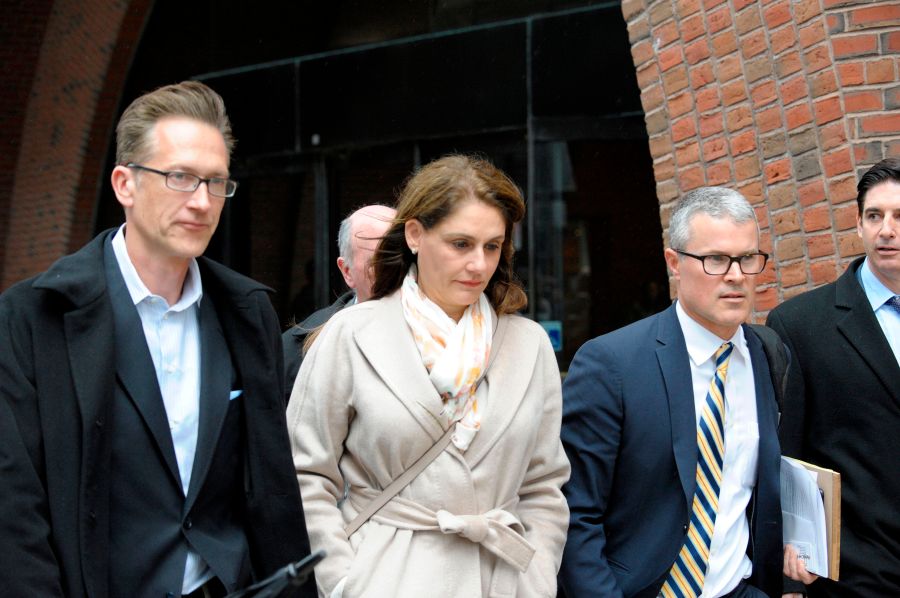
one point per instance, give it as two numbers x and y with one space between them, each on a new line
454 353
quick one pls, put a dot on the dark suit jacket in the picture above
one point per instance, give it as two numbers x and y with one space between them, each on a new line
57 381
842 411
293 338
630 431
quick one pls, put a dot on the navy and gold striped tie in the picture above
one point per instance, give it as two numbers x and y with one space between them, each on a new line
686 577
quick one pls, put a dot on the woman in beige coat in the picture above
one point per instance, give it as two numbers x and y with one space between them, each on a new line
439 347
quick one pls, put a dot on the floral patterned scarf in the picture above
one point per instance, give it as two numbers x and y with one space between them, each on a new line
454 353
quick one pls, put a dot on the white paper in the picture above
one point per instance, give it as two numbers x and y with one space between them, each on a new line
804 516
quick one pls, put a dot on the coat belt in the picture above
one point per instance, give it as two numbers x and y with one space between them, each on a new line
498 530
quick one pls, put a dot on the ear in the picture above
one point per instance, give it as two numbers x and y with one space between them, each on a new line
346 273
673 263
123 184
413 231
859 227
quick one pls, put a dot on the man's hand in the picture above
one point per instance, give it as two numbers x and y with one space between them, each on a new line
796 569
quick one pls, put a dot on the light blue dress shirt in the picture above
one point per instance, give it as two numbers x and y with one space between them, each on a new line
173 338
878 295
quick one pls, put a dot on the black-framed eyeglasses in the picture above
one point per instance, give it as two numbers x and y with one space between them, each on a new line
717 264
188 183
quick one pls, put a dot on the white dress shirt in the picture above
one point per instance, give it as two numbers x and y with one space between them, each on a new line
728 560
173 338
878 294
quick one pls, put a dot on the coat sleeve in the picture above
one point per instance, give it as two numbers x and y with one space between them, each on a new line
790 428
319 415
542 506
591 431
26 558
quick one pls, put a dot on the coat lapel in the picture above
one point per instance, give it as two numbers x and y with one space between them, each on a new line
134 366
215 384
861 329
400 365
88 333
514 360
674 364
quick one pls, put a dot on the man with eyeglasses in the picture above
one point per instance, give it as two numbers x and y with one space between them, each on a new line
143 444
670 426
842 405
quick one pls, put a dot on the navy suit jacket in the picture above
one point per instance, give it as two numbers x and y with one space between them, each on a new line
629 430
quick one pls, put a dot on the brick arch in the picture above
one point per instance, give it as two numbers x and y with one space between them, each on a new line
84 55
785 100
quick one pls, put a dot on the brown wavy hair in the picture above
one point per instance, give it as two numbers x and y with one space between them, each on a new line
430 195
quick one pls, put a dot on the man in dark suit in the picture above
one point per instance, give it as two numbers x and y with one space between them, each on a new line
143 445
842 406
661 503
358 237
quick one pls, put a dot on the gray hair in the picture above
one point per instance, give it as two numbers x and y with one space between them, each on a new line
718 202
345 250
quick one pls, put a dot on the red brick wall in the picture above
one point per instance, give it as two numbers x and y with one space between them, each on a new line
784 100
79 72
21 31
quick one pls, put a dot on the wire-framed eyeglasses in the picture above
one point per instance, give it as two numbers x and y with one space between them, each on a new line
188 183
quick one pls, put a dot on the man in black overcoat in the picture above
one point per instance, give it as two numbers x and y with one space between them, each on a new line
842 405
143 445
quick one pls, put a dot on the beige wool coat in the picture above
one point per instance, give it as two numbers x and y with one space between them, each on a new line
363 410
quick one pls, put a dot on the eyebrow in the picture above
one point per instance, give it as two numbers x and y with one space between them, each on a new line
467 236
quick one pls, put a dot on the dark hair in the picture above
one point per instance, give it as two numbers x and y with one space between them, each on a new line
429 196
886 170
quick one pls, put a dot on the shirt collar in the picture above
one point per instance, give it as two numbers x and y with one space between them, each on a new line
191 292
702 344
875 290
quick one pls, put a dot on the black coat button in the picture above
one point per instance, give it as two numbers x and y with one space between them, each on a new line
188 524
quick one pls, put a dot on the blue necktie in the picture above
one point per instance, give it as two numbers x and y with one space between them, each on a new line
894 303
686 577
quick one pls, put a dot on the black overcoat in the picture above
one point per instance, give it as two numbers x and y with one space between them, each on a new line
57 379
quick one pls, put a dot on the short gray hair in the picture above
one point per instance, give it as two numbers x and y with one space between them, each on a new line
718 202
345 250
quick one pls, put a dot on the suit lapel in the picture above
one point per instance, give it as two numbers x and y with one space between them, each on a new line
674 363
400 365
134 366
861 329
215 384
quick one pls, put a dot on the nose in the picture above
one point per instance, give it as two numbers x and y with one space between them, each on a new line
200 198
734 271
477 263
890 225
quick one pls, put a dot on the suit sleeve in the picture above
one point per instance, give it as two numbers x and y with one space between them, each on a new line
26 558
793 409
542 507
591 431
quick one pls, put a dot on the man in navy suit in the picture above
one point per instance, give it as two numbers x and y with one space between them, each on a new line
634 403
143 444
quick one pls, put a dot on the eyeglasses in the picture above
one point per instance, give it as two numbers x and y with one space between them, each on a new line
716 265
188 183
